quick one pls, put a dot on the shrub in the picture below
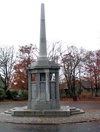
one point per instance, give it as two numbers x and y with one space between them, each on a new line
11 94
17 94
62 95
2 94
86 95
23 95
14 94
79 92
8 93
68 93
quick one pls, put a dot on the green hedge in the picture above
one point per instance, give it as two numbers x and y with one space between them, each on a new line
16 95
2 94
11 94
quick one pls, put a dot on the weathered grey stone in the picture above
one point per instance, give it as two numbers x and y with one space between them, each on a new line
43 92
43 48
64 111
43 85
45 113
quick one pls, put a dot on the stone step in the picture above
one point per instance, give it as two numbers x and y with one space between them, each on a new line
77 111
9 111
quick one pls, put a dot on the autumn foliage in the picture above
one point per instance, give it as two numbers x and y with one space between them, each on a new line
92 67
76 64
20 76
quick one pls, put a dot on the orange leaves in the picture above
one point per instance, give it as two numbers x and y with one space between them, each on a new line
20 76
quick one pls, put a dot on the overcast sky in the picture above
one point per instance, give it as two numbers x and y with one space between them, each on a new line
76 22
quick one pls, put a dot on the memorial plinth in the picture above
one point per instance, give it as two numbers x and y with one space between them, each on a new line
43 86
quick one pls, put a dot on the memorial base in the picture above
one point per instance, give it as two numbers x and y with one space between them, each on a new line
64 111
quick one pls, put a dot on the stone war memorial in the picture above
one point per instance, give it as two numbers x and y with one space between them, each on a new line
43 85
43 77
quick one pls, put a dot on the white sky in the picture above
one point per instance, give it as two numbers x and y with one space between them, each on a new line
76 22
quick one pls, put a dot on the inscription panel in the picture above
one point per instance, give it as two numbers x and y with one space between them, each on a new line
53 90
43 90
33 91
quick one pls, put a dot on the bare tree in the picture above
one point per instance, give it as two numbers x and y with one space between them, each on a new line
7 60
92 68
71 67
54 50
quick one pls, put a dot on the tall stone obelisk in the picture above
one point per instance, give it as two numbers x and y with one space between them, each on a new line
43 47
44 89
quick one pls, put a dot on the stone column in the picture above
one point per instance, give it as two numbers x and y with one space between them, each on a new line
29 89
57 85
47 87
38 86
